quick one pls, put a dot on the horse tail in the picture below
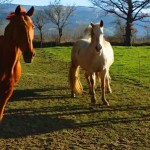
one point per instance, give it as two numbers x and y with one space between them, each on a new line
74 80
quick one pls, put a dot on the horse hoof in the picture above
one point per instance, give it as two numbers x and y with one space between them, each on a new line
93 100
73 95
90 92
106 103
109 91
93 103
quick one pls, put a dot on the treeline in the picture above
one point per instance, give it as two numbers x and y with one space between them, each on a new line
125 32
51 23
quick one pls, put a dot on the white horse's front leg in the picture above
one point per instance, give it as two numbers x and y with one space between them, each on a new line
93 94
103 77
89 78
108 80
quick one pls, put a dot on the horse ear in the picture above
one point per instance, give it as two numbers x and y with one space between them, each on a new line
18 10
30 12
101 23
92 24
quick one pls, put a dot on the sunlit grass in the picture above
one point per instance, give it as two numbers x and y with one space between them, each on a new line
42 115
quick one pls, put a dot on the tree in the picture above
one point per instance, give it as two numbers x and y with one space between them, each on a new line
1 26
39 22
129 10
79 31
147 30
59 15
119 26
3 2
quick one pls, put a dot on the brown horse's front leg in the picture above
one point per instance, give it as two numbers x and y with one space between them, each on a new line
7 87
6 90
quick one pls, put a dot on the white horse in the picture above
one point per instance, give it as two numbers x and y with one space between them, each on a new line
95 55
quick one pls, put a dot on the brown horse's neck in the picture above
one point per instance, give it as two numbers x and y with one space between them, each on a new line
8 62
10 55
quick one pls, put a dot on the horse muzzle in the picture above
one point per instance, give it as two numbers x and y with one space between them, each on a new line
28 56
98 48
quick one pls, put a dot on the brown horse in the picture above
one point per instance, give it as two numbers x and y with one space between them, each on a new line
17 38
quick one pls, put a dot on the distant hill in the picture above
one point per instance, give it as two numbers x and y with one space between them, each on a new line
82 15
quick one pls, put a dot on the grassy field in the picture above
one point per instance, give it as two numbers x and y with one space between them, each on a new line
42 116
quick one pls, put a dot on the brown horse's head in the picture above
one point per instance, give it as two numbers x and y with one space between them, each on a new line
21 30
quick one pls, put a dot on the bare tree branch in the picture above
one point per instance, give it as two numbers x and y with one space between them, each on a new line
129 10
39 22
59 15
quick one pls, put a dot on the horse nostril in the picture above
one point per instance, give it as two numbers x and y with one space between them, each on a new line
33 54
98 48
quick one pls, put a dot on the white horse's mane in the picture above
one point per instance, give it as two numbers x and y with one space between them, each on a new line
87 32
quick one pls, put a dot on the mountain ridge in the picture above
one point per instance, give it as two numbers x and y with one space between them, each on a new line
82 14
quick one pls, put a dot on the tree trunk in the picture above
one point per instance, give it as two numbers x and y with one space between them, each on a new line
41 39
60 34
129 24
128 35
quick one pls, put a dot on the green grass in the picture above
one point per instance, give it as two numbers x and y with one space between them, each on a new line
41 115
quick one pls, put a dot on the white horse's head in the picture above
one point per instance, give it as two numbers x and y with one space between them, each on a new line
97 35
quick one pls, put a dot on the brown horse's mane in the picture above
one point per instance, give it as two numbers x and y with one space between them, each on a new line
10 16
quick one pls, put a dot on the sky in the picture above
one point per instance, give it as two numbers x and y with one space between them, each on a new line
46 2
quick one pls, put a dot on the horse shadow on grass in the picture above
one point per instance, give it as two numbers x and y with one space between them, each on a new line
26 122
37 94
22 122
